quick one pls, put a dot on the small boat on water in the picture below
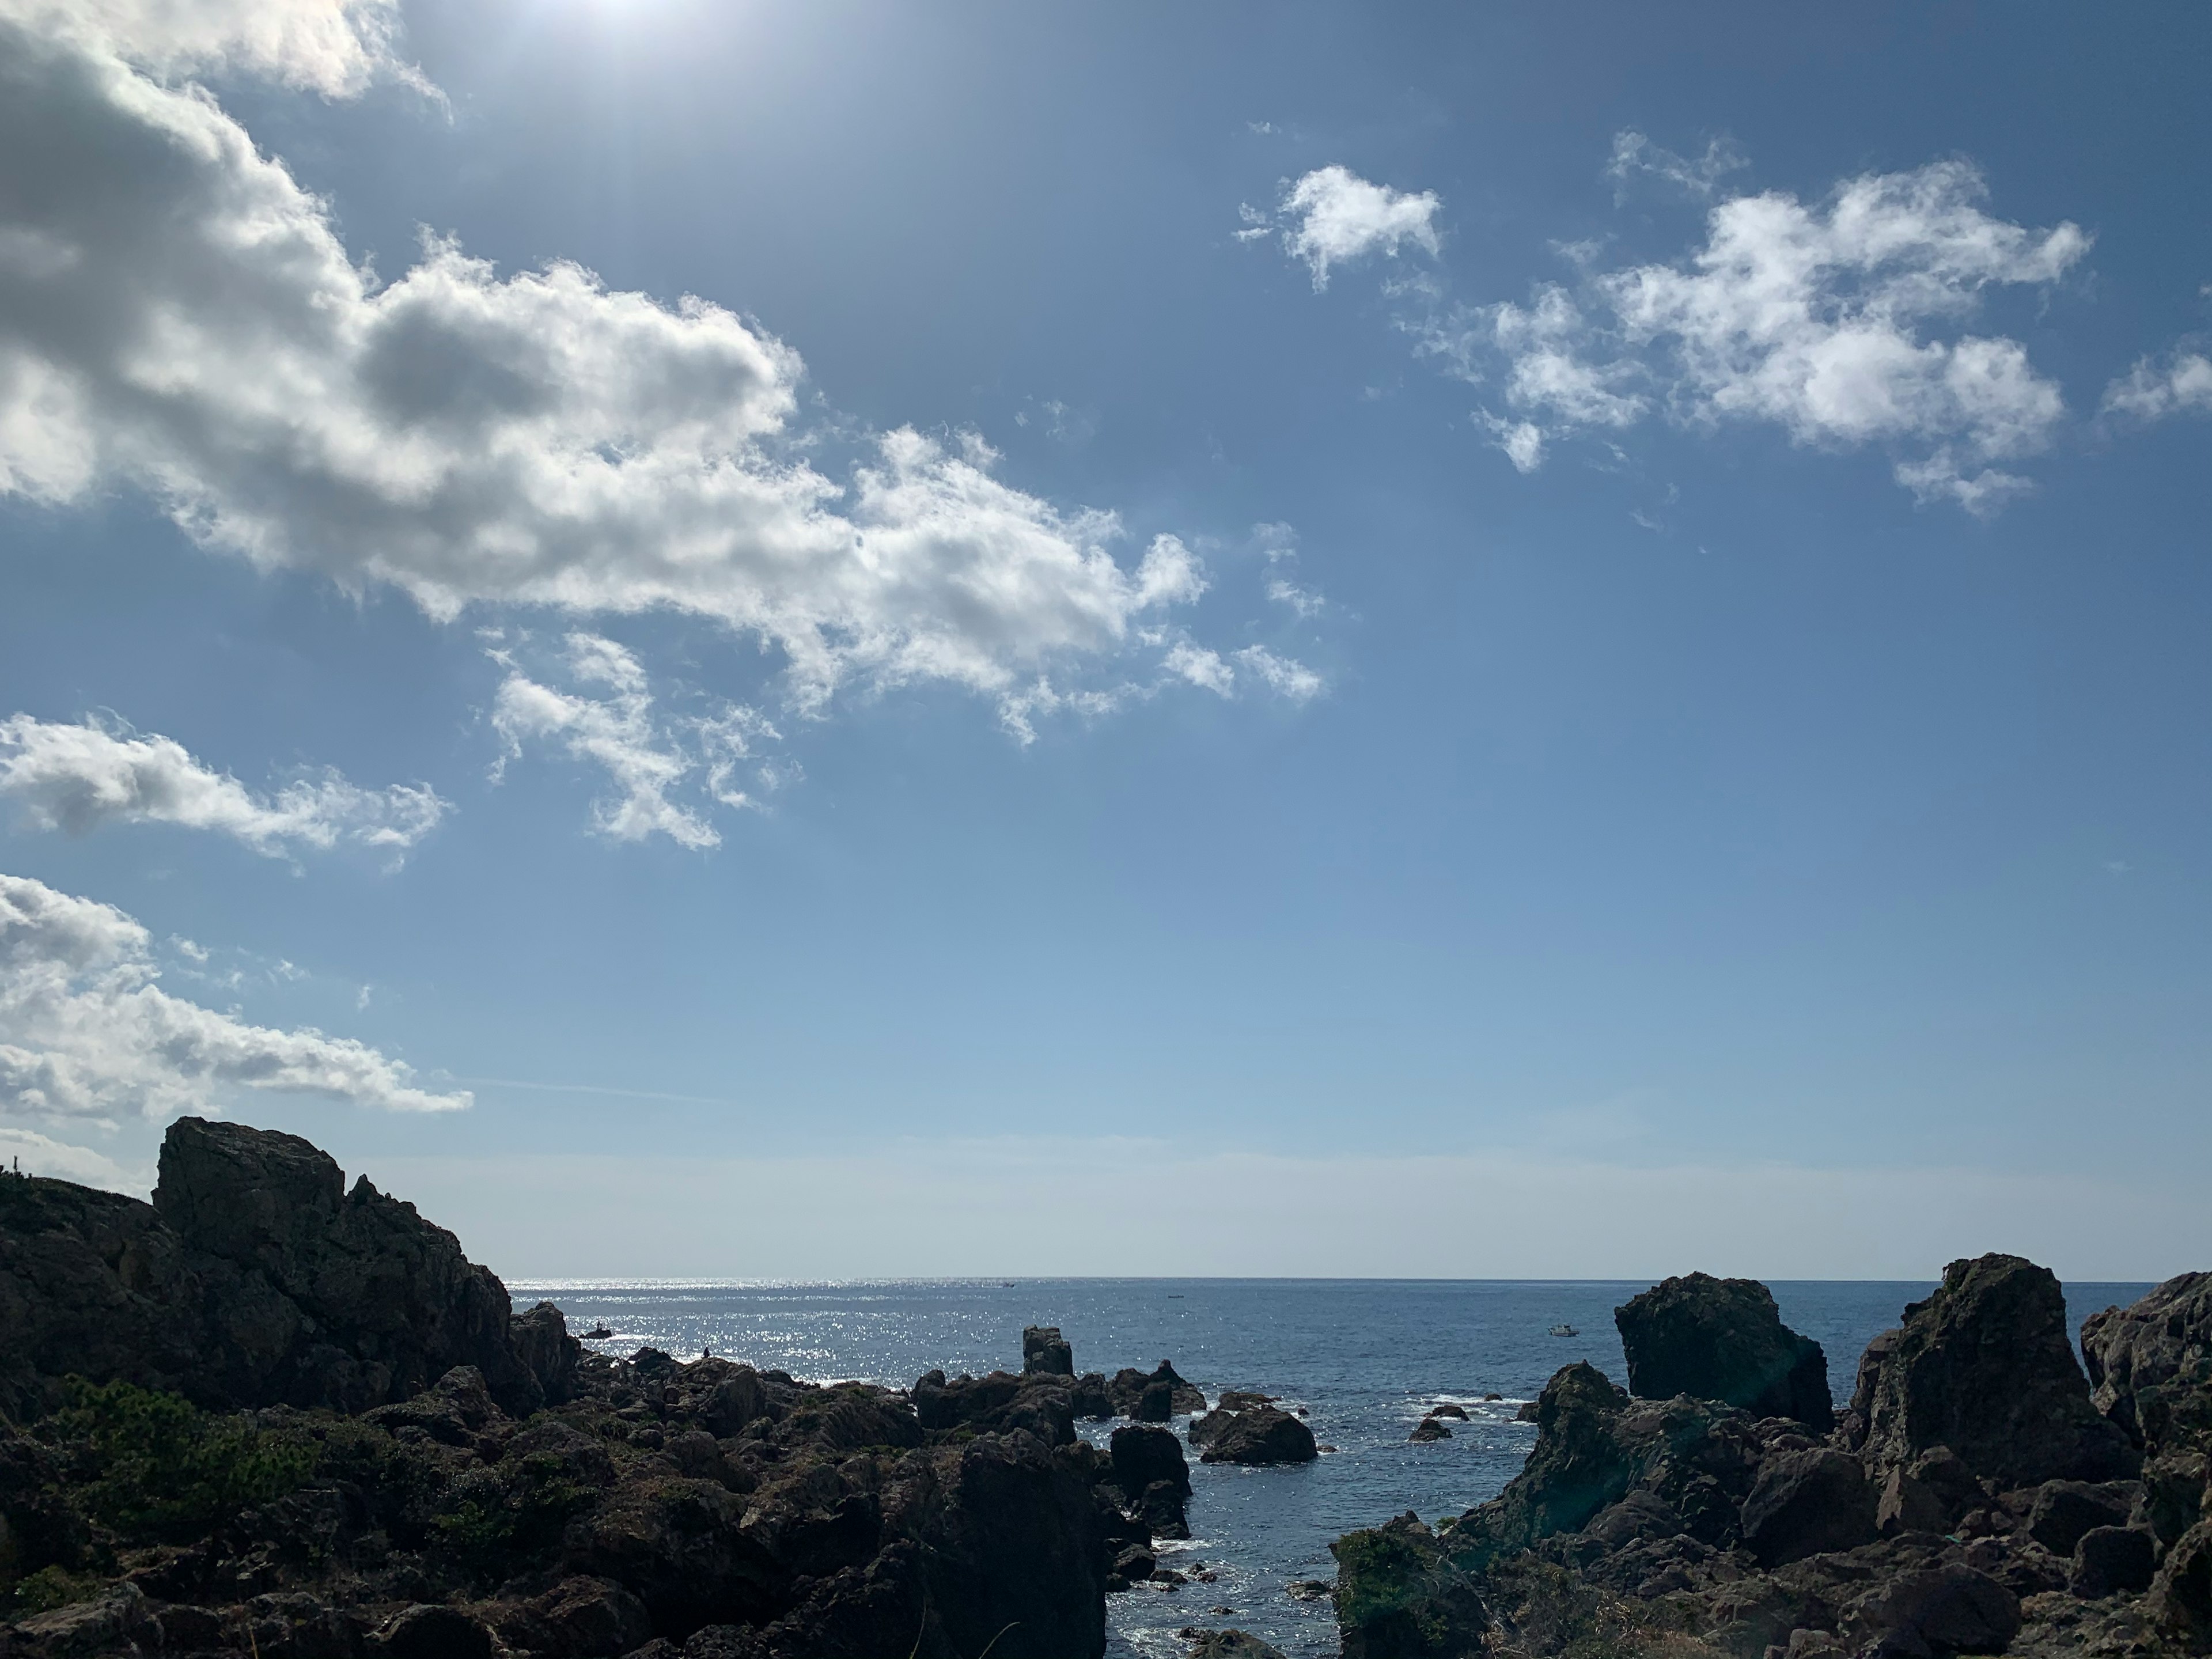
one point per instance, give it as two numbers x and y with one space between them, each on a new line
1565 1330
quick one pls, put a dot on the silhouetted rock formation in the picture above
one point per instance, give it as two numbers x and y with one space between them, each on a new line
1722 1338
255 1279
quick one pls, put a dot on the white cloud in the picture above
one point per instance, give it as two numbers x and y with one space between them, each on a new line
1337 217
2182 385
86 1031
1283 676
336 47
1302 601
645 756
1815 318
1200 667
76 778
1633 155
178 315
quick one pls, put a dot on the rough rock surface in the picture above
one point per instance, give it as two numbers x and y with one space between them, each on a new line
1984 1366
1044 1350
1128 1386
1722 1338
610 1507
254 1279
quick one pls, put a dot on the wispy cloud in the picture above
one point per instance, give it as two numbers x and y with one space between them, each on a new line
1635 157
2179 383
78 777
87 1032
612 724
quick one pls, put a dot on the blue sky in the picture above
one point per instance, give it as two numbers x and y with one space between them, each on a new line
740 640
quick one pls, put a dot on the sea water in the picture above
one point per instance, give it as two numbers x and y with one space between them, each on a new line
1364 1359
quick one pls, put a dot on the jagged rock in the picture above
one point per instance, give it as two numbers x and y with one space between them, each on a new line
1242 1400
1039 1403
2110 1560
1128 1386
1807 1503
2064 1510
1907 1504
541 1341
1428 1430
1090 1399
1458 1413
1261 1435
1156 1404
1593 1446
1722 1338
1400 1595
2138 1355
2181 1595
1984 1366
254 1279
1045 1350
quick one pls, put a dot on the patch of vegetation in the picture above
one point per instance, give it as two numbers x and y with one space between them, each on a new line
158 1468
47 1589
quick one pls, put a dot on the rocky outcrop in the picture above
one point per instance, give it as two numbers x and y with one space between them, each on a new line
1260 1435
1129 1387
1722 1338
1400 1595
1689 1527
1045 1350
529 1502
1984 1366
255 1277
1149 1468
2146 1359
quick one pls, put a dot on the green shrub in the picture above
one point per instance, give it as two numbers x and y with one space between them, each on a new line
161 1469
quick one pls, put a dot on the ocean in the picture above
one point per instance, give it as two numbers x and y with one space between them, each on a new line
1364 1359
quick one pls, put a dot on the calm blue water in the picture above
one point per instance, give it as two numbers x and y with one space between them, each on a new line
1366 1358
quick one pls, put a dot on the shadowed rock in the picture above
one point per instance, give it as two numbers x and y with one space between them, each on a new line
1984 1366
1722 1338
1045 1350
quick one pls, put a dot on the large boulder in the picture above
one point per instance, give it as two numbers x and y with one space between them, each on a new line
1808 1503
1261 1435
1722 1338
1984 1366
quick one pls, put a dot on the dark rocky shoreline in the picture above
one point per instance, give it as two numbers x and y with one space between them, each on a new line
270 1416
1976 1497
266 1415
